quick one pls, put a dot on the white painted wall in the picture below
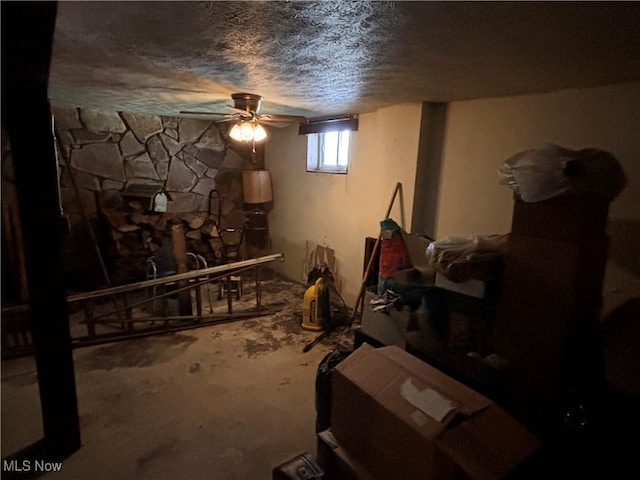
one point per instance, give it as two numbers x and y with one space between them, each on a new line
339 211
481 134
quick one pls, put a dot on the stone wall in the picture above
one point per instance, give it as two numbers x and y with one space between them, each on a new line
101 153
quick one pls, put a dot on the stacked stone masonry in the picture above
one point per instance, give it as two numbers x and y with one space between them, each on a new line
101 153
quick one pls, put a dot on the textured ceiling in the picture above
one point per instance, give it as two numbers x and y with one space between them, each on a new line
329 57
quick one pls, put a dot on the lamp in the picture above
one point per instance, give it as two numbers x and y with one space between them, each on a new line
256 190
248 131
256 186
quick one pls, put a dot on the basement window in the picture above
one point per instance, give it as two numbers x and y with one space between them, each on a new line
329 143
328 152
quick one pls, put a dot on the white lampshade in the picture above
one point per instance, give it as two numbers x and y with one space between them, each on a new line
256 186
248 132
259 133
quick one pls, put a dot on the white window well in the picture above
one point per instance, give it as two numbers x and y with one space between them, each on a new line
328 152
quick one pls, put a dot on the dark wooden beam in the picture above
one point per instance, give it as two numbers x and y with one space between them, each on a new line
329 124
27 38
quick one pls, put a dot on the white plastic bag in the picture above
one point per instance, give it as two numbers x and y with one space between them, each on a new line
537 175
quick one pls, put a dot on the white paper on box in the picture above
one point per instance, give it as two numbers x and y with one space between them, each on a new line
419 417
428 400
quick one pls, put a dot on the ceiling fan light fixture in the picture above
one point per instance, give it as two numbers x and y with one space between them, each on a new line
248 132
259 133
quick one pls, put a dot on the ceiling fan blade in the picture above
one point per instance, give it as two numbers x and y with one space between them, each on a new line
244 113
252 103
283 118
271 123
229 118
187 112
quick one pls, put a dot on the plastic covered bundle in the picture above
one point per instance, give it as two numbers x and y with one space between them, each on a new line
460 258
540 174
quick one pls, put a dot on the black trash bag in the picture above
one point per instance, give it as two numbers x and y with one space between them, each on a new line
596 171
323 386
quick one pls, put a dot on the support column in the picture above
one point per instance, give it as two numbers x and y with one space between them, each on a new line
427 187
27 37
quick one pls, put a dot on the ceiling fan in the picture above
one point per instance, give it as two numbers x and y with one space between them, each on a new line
248 118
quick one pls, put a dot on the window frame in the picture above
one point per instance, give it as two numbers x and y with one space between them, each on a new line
316 143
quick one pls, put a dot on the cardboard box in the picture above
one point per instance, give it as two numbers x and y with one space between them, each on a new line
535 341
403 419
559 276
567 218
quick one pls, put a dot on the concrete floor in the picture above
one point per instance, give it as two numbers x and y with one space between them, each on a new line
229 401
